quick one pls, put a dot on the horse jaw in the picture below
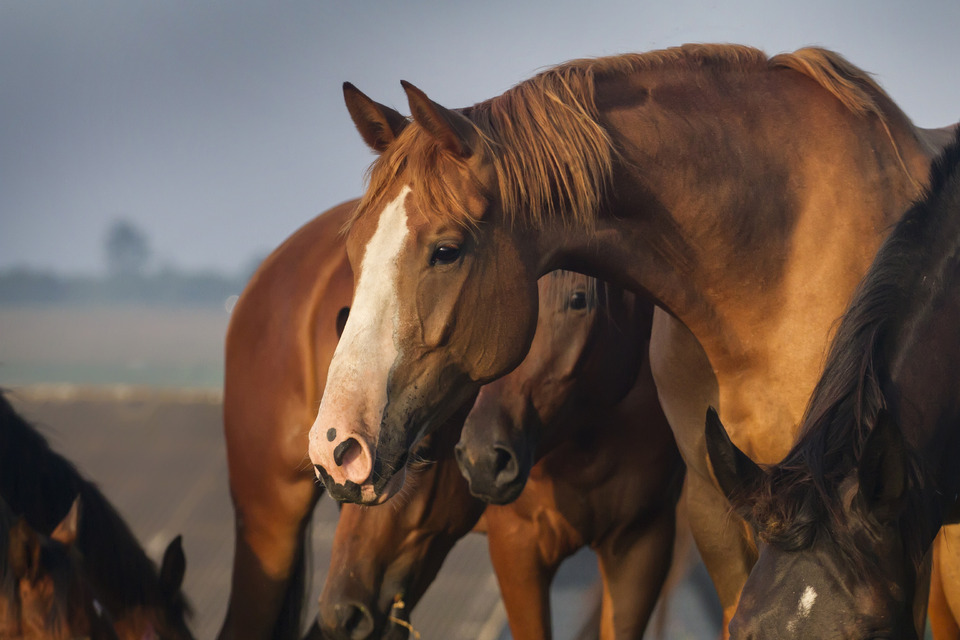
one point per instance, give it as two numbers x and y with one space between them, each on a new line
344 436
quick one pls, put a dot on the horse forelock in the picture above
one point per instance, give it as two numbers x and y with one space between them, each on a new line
556 288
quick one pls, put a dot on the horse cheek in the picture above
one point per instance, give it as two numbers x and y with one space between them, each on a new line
436 305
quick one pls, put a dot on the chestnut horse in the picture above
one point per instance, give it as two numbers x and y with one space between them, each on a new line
608 477
43 592
40 485
383 559
584 404
746 195
849 515
282 333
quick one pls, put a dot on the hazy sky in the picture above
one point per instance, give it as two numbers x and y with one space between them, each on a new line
219 127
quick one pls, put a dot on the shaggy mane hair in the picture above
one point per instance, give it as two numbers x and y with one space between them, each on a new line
551 156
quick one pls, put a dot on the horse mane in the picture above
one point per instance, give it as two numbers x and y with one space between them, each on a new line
552 157
40 485
800 494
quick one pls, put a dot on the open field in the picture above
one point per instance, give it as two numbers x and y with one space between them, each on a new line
153 346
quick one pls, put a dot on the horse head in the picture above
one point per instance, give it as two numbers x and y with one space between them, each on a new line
842 570
385 557
445 297
584 357
44 594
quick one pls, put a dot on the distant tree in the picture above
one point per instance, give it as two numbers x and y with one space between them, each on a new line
127 250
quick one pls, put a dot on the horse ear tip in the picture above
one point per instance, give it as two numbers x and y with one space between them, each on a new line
410 88
713 423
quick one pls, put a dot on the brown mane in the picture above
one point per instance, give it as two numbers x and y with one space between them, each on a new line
552 157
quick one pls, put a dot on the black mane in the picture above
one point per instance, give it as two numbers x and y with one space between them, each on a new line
801 495
40 485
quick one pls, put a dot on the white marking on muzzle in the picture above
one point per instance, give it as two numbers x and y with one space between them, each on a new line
356 391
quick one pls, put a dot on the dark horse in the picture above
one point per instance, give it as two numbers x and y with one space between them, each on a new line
43 592
40 485
849 515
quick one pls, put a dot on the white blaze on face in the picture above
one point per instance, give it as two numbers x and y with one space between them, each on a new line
356 391
807 599
804 607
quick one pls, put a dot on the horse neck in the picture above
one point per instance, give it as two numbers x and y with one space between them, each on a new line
725 188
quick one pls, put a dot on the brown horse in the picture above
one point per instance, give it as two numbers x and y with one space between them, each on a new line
746 195
591 342
584 404
849 515
40 484
384 559
281 337
44 594
282 333
609 479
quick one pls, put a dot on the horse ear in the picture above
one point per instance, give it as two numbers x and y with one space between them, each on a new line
882 470
378 124
453 130
66 531
736 473
173 567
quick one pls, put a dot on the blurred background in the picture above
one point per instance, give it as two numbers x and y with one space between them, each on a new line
152 153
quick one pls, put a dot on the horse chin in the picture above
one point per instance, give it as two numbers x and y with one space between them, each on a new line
366 494
501 495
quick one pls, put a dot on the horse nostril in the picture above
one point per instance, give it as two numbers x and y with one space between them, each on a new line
343 449
355 621
505 467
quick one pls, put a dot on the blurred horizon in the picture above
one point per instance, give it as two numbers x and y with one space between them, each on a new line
218 129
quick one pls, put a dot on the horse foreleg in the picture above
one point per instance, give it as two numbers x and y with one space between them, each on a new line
722 539
634 564
524 567
945 585
272 512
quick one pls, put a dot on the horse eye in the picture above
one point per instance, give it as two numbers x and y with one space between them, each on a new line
578 301
445 254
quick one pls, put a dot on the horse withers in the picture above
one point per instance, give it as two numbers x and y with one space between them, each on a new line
848 517
745 194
